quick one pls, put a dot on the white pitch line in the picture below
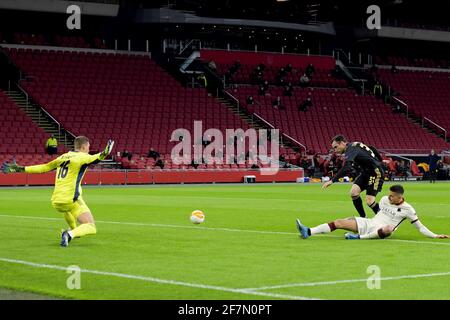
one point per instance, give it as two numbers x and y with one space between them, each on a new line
324 283
156 225
160 281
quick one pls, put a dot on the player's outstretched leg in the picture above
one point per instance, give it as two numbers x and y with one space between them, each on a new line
346 224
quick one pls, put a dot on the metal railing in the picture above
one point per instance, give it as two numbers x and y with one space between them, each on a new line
405 152
26 95
295 141
424 119
267 123
404 104
235 100
389 154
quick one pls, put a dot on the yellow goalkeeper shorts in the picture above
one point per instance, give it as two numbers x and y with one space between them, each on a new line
75 208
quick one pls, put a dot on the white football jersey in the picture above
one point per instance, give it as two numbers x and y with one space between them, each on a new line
393 215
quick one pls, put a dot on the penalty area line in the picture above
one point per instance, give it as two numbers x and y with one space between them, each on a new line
159 281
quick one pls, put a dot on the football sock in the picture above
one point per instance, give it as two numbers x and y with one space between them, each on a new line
357 202
83 230
375 207
70 219
323 228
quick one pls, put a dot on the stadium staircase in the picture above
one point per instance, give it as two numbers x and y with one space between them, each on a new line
426 94
42 118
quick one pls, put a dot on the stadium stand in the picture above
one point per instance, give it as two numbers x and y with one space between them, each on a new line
338 111
426 93
322 76
115 96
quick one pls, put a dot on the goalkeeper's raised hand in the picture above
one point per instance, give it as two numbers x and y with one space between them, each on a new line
11 167
107 150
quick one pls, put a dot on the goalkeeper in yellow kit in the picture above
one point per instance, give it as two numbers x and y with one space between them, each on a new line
70 169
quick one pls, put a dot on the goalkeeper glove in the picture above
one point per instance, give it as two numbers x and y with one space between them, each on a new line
12 167
107 150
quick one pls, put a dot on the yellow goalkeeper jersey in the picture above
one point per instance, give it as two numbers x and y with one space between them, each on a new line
70 169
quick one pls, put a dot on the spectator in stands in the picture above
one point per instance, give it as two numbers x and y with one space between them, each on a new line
266 85
262 67
309 71
337 72
250 100
261 91
433 159
257 76
159 163
153 154
394 69
202 80
397 108
126 154
305 105
235 67
288 90
212 65
378 89
304 163
279 80
304 80
277 104
288 68
51 146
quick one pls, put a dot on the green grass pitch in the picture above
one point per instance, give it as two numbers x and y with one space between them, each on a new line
248 247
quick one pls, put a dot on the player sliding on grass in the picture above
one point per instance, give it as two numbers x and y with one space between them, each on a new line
367 161
393 210
70 169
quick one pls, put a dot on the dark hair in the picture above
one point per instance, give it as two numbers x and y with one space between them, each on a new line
80 141
339 138
397 189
